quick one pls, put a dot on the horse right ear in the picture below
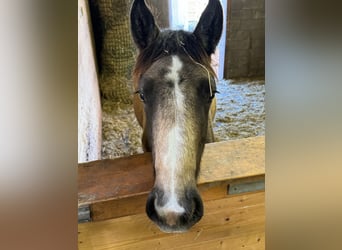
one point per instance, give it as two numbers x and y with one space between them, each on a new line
143 27
209 27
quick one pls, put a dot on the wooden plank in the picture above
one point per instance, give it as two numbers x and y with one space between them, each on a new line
136 204
114 179
235 159
118 208
105 180
230 223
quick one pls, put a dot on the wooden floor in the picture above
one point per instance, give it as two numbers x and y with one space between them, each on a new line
234 222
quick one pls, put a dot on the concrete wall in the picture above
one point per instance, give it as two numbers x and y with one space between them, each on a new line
89 107
160 10
245 45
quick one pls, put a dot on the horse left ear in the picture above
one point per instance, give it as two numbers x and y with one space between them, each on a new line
209 27
143 27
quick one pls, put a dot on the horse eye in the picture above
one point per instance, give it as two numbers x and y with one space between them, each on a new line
141 95
213 95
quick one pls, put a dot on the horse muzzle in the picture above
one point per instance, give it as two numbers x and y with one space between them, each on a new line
174 215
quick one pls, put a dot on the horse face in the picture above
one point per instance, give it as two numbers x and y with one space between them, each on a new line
176 101
175 90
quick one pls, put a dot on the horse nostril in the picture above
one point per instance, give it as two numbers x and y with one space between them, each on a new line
194 207
150 208
198 211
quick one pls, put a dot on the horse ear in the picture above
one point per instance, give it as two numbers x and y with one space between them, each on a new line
209 27
143 27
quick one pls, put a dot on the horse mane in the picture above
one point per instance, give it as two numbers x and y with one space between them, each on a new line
171 42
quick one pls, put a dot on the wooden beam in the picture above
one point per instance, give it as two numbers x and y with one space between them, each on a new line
113 188
236 222
89 105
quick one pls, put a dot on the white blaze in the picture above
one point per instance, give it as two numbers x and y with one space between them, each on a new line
169 152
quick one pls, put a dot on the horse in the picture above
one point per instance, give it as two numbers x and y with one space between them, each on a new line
174 103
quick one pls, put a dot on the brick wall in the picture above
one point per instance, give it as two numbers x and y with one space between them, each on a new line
245 45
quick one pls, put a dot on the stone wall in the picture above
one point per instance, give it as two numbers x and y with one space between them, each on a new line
245 45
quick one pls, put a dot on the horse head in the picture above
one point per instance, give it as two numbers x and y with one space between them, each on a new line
175 103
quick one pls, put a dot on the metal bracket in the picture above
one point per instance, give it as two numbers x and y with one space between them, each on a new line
238 188
84 214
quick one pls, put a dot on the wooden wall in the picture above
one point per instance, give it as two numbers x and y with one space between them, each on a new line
89 107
